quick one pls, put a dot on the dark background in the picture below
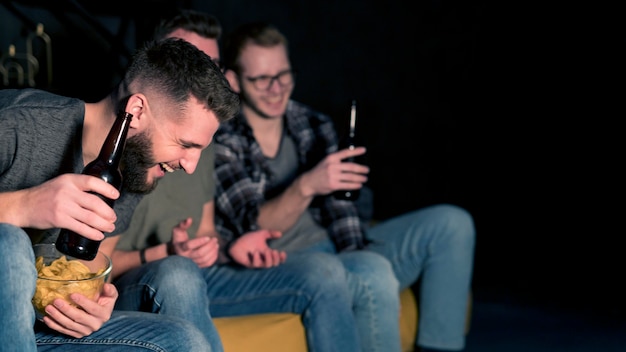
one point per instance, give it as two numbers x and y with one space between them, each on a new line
475 103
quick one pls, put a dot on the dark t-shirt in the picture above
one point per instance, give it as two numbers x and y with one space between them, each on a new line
306 231
177 197
40 138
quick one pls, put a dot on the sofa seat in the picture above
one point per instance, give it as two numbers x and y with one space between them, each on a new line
284 332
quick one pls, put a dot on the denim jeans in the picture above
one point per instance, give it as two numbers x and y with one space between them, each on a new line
125 331
312 285
435 245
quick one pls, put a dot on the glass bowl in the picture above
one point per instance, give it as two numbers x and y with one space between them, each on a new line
67 275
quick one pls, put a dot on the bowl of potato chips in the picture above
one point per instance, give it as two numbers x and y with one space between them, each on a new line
59 275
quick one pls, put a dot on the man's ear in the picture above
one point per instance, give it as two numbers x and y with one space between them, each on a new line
233 80
137 106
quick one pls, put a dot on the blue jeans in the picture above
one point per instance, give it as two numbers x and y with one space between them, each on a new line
312 285
434 244
125 331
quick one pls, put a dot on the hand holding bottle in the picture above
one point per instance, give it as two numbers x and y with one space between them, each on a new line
349 142
352 175
62 203
339 173
335 173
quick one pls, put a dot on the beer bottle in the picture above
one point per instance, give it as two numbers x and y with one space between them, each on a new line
349 142
105 167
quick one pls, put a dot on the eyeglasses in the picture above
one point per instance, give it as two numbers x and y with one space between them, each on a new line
284 78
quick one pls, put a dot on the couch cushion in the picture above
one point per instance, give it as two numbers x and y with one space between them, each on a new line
282 332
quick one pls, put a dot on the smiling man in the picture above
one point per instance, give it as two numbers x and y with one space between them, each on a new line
46 139
277 165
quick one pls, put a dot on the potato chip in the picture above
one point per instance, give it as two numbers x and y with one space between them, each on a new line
63 269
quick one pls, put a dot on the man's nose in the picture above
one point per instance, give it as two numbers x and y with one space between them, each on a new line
190 161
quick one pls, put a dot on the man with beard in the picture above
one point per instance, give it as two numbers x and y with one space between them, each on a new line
46 139
277 165
167 261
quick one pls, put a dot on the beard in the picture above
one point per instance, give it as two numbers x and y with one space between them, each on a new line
136 161
251 103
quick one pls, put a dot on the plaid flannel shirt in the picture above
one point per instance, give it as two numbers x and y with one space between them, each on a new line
243 177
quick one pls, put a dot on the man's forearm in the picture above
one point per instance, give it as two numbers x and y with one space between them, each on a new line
10 203
127 260
282 212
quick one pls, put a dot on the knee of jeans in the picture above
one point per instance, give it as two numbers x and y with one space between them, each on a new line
14 241
382 277
181 334
13 237
320 273
322 267
459 222
374 271
179 272
17 261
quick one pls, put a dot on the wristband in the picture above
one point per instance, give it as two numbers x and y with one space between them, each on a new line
142 256
170 248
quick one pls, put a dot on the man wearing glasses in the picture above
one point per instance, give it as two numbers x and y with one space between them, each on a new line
277 165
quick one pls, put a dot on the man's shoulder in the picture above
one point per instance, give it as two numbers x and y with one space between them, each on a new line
232 132
32 97
302 119
298 112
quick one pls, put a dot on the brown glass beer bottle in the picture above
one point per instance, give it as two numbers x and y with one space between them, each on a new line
105 167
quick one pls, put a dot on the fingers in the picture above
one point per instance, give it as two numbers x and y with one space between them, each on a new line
96 185
202 243
204 251
265 234
185 224
94 211
266 259
109 291
335 172
72 202
74 330
350 174
348 153
207 254
92 215
274 234
351 168
70 320
90 219
207 260
179 232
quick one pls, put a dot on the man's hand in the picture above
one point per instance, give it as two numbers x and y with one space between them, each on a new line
202 250
63 202
84 320
332 174
251 250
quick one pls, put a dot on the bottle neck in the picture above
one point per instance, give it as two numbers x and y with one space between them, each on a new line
112 148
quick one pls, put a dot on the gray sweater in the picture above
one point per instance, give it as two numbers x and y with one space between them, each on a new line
40 138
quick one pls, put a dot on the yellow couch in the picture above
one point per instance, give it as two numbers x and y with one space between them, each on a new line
284 332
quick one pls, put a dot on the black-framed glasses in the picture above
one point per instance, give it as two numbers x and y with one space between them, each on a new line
284 78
